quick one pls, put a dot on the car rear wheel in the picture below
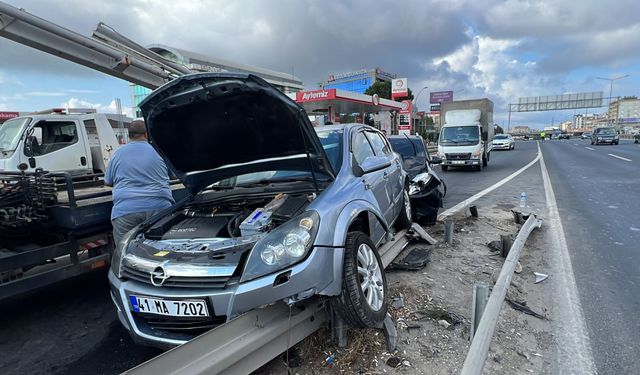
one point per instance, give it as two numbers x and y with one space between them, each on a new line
362 302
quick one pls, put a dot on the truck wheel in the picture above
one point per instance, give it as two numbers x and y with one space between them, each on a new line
404 219
364 285
446 167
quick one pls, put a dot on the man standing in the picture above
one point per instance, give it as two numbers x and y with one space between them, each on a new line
140 182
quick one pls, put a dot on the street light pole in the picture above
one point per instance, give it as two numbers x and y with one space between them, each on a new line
415 99
611 91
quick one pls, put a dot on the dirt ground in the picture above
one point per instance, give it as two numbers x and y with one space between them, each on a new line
433 325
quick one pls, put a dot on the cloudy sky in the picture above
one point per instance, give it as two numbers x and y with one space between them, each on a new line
502 50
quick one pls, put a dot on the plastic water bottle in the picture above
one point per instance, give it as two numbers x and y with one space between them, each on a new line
523 199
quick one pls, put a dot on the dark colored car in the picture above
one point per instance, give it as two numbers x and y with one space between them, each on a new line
564 136
636 138
426 189
604 135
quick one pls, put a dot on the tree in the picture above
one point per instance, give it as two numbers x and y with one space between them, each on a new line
383 89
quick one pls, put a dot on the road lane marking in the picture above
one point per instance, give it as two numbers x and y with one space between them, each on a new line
486 191
574 347
619 157
589 148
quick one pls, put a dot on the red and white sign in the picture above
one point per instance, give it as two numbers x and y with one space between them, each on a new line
8 115
399 88
375 99
404 125
316 95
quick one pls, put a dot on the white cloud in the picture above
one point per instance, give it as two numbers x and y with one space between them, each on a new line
44 93
101 108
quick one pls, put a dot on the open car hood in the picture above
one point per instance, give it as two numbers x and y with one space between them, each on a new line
212 126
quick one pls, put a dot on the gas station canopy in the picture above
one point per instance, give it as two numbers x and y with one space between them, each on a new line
333 102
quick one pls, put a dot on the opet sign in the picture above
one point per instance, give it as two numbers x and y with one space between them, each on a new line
399 88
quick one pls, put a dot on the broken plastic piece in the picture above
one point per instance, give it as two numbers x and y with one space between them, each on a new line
540 277
414 261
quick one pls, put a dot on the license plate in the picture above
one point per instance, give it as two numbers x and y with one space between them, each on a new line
183 308
457 162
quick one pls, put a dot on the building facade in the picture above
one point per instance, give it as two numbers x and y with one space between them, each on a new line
625 112
196 62
357 81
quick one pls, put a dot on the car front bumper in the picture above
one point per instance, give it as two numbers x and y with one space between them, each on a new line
501 146
607 140
461 163
305 279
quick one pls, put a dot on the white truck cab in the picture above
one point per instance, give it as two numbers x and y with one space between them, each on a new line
78 144
466 137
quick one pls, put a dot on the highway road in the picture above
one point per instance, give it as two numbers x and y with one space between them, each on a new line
597 190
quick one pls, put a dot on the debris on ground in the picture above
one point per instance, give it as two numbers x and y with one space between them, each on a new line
525 309
495 246
540 277
398 302
416 260
393 362
518 268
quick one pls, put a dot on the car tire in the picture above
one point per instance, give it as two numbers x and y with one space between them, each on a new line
362 265
617 142
404 219
444 168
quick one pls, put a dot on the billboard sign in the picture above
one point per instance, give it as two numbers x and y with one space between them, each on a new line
315 95
440 97
399 88
335 77
8 115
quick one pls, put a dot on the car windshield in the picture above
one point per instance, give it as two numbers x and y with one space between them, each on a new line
408 147
331 143
460 135
501 136
10 133
605 131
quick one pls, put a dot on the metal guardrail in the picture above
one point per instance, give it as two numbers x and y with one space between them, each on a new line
477 355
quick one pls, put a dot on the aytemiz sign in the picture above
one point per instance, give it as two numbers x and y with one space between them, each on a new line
316 95
8 115
399 88
441 96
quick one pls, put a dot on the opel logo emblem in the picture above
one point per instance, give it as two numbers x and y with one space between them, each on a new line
159 276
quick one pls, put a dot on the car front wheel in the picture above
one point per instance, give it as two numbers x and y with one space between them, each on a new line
362 302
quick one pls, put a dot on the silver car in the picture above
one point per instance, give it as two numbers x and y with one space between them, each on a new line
503 142
277 211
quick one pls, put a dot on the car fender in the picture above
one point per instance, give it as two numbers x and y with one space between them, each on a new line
346 217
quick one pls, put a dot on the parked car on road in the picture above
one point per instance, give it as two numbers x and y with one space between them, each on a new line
636 138
586 135
278 211
604 135
564 136
427 189
503 142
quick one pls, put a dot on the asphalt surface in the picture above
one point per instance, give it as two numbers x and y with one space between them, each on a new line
465 182
598 197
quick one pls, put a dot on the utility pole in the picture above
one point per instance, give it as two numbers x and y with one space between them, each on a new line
611 93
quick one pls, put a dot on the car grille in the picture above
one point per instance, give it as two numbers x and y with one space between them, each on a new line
466 156
217 282
189 326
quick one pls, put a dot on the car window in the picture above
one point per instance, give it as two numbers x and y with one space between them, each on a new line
361 148
380 146
53 136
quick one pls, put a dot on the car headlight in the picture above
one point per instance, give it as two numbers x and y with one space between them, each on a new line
116 257
476 153
283 247
599 138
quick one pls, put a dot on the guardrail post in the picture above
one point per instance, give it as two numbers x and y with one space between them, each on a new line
474 211
448 231
506 242
479 302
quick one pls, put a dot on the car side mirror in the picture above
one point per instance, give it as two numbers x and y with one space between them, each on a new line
30 145
371 164
436 160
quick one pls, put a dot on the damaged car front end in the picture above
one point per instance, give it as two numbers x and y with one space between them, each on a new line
278 212
426 189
